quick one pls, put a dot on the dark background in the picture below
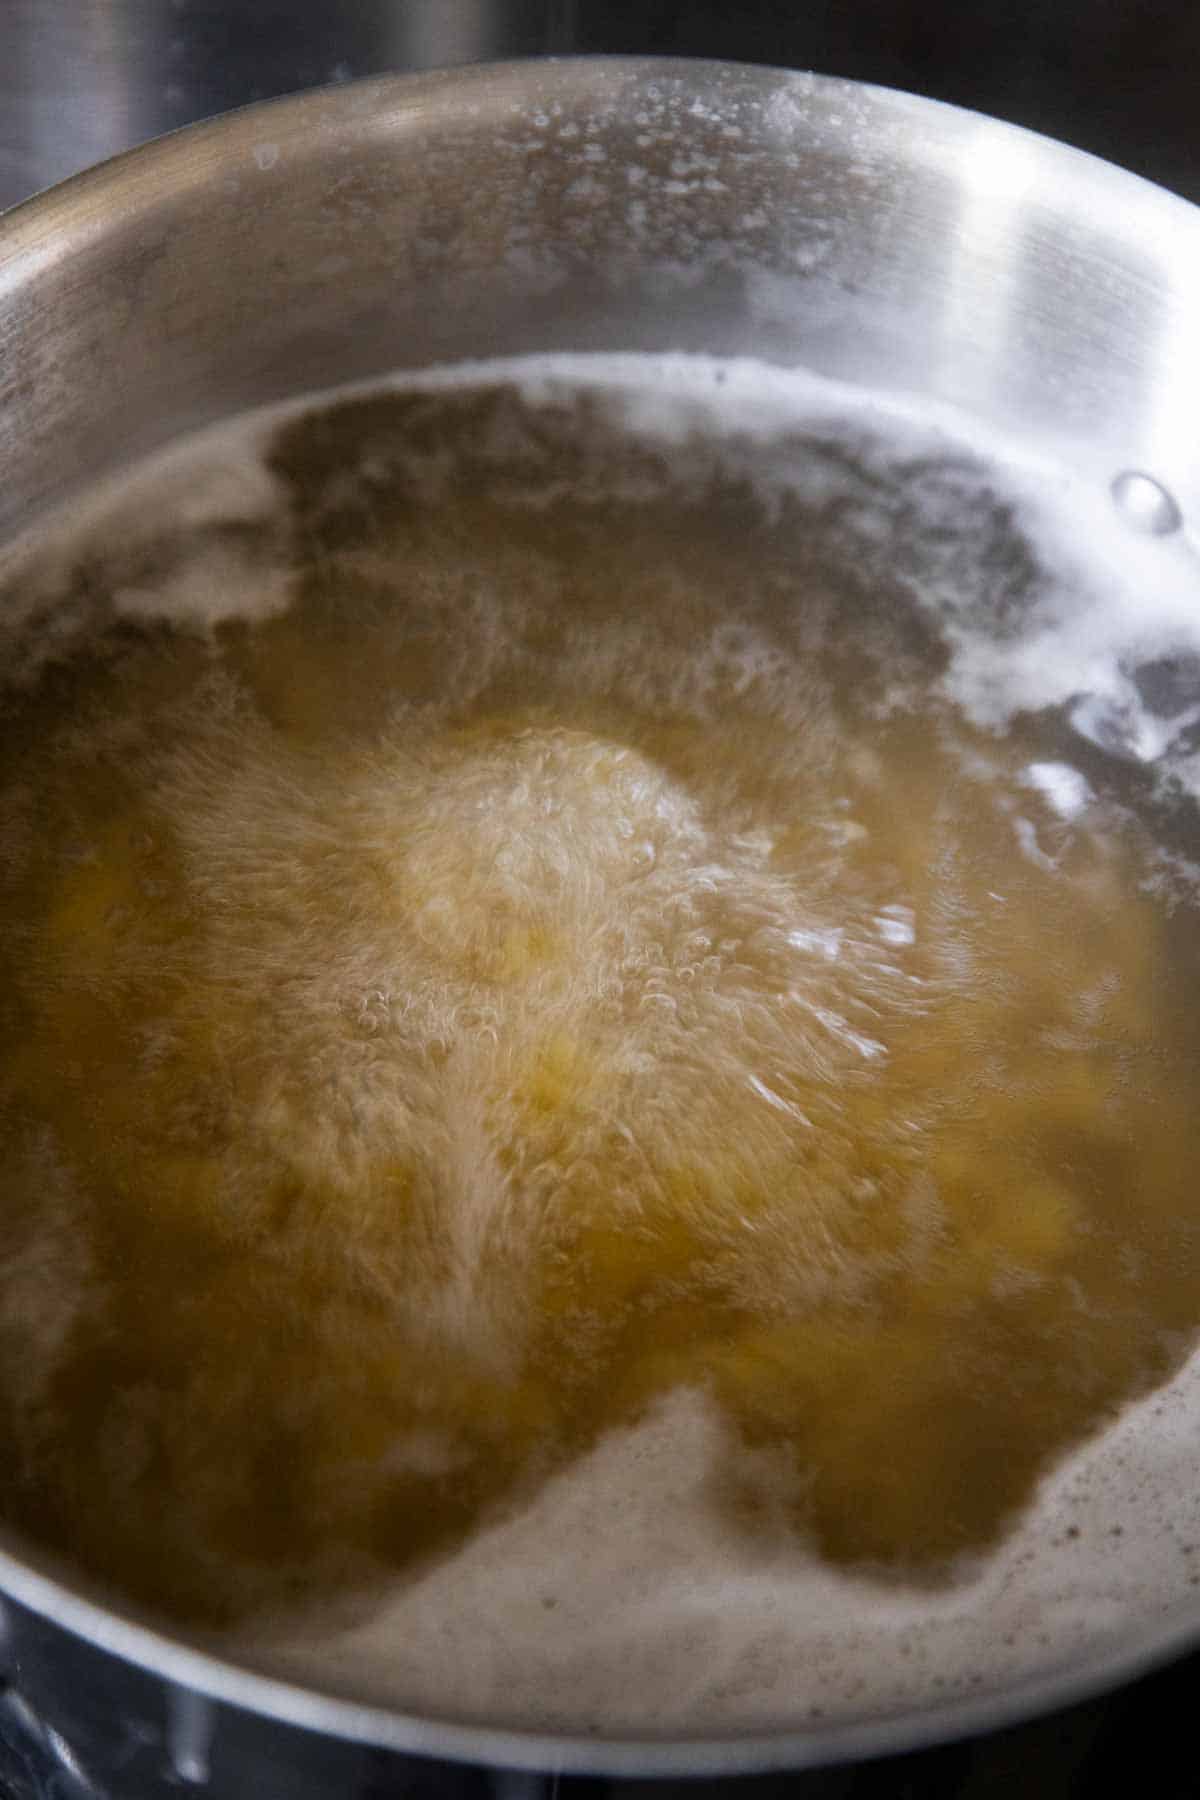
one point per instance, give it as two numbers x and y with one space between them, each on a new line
83 79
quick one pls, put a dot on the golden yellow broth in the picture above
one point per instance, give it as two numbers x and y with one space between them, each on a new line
532 973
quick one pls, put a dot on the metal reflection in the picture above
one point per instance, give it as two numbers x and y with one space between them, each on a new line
428 34
983 298
82 81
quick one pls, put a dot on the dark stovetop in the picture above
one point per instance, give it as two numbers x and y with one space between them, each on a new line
82 79
1142 1736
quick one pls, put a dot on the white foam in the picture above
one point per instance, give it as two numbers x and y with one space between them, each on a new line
1117 598
614 1603
1067 791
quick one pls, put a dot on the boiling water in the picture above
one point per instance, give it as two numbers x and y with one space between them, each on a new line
597 1049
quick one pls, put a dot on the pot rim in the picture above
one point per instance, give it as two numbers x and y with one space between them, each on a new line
183 1665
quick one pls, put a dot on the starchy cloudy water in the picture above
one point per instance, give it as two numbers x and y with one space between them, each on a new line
597 1049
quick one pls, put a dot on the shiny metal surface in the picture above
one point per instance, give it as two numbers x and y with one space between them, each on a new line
870 235
864 233
84 79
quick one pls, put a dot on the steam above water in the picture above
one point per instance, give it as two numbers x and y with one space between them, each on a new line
598 1083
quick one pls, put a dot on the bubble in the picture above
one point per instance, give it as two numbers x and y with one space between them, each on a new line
1145 504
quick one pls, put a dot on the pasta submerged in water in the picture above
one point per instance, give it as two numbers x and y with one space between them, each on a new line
566 949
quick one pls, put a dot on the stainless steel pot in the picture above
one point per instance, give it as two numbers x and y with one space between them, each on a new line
863 233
